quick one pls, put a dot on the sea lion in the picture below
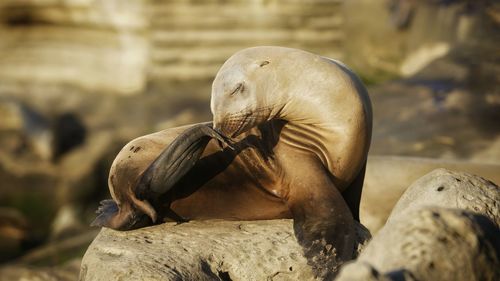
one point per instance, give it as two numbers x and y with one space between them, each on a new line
131 207
301 124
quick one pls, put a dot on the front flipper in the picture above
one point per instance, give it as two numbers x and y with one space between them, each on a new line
323 222
352 195
177 159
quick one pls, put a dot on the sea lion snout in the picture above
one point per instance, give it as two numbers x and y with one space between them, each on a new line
233 125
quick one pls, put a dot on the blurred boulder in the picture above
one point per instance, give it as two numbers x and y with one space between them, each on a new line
448 103
449 189
444 227
201 250
406 36
31 134
66 272
13 233
24 129
185 117
57 252
388 177
94 45
59 193
191 39
69 132
431 243
445 117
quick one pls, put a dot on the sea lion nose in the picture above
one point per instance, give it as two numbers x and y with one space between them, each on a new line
217 124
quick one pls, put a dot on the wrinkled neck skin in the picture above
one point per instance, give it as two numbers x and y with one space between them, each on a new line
326 106
323 120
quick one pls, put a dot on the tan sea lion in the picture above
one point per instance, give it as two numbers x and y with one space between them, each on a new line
132 203
302 127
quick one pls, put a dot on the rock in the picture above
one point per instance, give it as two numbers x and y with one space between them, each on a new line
361 271
190 40
450 189
387 178
66 272
85 44
23 128
200 250
407 45
13 233
56 252
185 117
44 188
66 222
439 117
431 243
444 227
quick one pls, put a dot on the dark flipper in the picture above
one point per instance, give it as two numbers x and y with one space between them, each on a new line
106 211
322 220
109 215
177 159
352 195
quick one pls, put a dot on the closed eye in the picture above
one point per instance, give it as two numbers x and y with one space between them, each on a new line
238 88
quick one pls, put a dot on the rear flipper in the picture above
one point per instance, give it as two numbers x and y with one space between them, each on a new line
107 210
165 171
111 216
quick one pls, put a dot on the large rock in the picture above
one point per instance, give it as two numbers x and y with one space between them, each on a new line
450 189
431 244
94 45
191 39
444 227
200 250
66 272
387 178
406 36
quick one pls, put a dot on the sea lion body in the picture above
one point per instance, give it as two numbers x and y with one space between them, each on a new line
302 127
237 185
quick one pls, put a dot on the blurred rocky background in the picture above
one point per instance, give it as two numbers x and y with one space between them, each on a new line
80 78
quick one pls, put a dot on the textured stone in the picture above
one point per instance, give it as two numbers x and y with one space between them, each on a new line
444 227
450 189
432 243
362 271
200 250
93 45
387 178
66 272
191 39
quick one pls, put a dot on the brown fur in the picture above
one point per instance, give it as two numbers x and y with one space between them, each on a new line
302 126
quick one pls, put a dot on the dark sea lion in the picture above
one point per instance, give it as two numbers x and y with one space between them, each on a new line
302 127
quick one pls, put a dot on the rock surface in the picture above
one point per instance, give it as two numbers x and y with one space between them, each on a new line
387 178
444 227
431 243
450 189
66 272
92 45
200 250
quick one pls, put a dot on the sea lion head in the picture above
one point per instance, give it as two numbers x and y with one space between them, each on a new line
247 90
